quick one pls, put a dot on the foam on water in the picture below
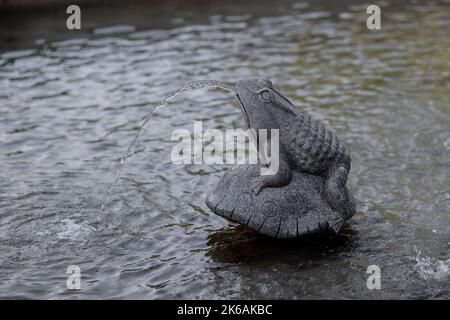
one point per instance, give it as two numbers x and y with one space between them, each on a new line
431 268
73 231
229 86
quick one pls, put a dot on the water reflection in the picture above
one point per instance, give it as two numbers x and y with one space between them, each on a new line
238 244
71 102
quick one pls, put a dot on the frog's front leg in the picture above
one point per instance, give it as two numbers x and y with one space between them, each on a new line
273 179
334 189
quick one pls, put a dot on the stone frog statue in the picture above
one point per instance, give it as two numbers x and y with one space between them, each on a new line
308 193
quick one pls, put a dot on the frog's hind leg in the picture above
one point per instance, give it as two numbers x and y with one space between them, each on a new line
335 191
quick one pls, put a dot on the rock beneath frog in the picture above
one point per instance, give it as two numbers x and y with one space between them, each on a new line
295 210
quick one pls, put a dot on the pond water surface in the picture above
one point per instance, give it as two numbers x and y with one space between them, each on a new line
70 102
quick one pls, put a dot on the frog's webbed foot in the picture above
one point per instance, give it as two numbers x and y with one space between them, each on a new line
335 191
281 178
257 184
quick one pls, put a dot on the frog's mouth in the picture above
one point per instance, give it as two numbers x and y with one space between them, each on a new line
244 110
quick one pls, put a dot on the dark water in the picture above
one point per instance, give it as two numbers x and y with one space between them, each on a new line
70 103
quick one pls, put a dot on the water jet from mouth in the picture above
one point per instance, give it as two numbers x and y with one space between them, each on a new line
228 86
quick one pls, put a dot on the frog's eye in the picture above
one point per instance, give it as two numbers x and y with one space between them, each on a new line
265 95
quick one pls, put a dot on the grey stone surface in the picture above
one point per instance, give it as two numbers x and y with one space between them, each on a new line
308 192
282 212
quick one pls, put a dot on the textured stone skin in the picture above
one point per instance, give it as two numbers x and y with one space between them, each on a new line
313 166
283 212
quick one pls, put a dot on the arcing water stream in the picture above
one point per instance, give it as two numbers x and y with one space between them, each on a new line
187 87
70 101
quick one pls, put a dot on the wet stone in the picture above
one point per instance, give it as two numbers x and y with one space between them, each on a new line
287 212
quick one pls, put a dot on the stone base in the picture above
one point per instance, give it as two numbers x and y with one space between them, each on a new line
288 212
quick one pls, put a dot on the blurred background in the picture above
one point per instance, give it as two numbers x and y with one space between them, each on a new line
71 101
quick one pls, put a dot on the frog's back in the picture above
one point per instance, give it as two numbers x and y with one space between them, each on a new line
312 148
